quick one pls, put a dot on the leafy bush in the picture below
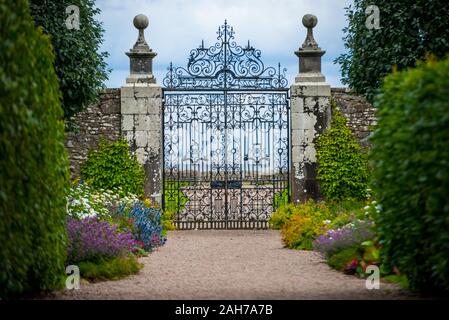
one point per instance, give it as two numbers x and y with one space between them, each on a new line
174 199
345 212
342 168
350 235
112 167
356 258
400 280
346 260
408 31
80 65
91 239
411 169
281 216
33 161
110 269
167 222
307 222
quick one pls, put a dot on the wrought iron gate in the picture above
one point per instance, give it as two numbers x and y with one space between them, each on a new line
226 137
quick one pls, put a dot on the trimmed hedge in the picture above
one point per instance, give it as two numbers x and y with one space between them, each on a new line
342 168
411 170
112 167
33 162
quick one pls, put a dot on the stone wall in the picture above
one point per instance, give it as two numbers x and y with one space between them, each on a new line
100 120
360 113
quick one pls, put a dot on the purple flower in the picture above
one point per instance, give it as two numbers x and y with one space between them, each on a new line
349 235
92 239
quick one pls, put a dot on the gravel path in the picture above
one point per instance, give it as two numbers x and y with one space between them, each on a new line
233 265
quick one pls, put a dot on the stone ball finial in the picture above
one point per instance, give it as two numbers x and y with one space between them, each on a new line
309 21
141 21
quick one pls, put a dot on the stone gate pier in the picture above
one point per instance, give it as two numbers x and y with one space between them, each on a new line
141 111
310 115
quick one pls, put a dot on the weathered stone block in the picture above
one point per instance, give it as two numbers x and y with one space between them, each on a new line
312 89
296 105
141 155
141 139
127 122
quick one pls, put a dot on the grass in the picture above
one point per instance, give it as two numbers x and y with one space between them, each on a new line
167 222
401 280
174 199
280 199
111 269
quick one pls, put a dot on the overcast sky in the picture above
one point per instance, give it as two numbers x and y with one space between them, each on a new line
177 26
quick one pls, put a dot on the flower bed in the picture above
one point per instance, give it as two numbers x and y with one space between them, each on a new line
106 230
91 239
352 234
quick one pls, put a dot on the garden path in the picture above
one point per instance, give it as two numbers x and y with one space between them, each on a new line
233 265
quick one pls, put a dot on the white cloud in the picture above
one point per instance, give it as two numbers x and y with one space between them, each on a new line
177 26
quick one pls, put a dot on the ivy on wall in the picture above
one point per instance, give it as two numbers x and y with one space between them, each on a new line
342 167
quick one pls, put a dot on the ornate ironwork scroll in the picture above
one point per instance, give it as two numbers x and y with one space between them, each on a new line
226 138
225 65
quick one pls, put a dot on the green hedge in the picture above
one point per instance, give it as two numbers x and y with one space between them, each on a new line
342 168
33 161
111 166
411 170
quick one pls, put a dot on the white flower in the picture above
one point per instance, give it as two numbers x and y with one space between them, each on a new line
327 221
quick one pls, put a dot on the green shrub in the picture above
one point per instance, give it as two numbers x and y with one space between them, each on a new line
343 258
281 216
307 221
174 199
281 198
167 222
112 269
342 168
400 280
33 161
411 170
112 167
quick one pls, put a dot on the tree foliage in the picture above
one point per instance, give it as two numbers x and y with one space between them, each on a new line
411 170
408 31
80 66
33 162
